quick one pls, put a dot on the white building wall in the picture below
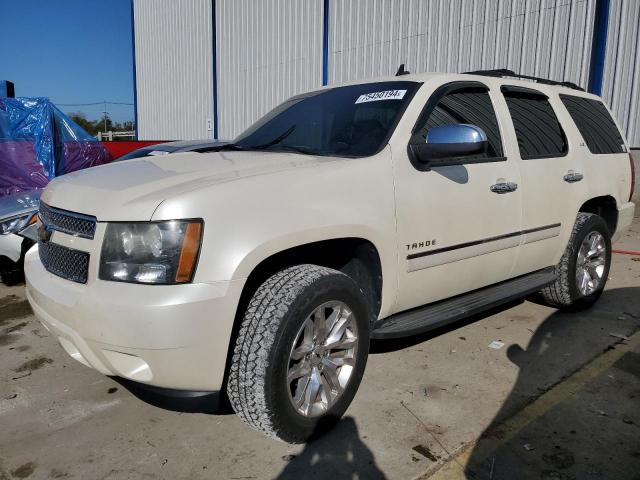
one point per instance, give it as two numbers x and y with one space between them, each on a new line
621 82
545 38
268 51
174 76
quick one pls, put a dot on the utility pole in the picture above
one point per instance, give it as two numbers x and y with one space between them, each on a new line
105 115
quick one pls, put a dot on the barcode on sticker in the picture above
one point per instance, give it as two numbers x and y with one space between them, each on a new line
378 96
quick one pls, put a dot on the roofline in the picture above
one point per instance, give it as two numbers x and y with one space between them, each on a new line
488 80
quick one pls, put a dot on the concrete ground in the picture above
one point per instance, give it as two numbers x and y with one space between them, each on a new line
558 401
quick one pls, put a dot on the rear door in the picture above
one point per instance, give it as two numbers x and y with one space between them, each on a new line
551 174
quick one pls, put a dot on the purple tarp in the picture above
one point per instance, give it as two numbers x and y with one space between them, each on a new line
38 142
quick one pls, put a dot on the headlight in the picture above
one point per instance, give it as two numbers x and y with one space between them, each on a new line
151 252
16 224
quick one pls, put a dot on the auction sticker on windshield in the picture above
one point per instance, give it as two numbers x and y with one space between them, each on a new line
377 96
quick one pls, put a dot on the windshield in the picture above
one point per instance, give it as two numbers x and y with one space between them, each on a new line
351 121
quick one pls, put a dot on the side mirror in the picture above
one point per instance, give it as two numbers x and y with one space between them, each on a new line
444 145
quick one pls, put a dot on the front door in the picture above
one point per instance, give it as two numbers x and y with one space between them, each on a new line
458 226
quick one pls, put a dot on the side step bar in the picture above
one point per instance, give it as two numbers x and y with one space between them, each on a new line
428 317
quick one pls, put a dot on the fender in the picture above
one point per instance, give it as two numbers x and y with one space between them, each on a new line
279 244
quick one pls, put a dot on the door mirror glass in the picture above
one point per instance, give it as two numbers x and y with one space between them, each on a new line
445 142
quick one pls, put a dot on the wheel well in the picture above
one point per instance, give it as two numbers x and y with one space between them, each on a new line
606 208
355 257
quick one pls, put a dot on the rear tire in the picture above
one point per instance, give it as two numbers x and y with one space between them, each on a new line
583 270
277 341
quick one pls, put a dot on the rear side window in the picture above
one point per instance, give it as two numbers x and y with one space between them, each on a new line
537 128
467 105
596 126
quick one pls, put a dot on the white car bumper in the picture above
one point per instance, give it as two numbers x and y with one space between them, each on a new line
11 246
173 336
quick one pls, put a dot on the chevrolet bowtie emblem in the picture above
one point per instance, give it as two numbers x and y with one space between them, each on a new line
44 233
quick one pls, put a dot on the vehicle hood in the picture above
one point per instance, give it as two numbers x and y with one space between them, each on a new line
133 189
17 203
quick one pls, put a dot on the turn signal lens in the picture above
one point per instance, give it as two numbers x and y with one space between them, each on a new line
189 252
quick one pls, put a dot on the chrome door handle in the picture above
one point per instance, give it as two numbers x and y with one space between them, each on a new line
573 177
504 187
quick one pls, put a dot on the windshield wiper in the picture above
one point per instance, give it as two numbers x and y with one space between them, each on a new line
299 149
276 140
234 147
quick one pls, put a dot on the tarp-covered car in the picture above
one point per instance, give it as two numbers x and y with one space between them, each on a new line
38 142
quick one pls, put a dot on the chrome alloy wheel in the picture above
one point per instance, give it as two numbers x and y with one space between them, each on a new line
322 358
591 262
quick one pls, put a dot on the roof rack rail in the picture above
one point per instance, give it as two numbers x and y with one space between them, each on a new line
503 72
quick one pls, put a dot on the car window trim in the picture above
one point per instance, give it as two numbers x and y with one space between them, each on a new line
396 121
431 103
538 93
521 89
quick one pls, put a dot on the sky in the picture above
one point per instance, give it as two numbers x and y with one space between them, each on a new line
71 51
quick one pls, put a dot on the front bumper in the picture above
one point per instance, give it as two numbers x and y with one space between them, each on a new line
170 336
625 218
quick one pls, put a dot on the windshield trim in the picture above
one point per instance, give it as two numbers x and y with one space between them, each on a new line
396 121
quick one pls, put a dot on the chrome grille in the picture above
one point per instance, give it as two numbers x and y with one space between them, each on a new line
68 222
64 262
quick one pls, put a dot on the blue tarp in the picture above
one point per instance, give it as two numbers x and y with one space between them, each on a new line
38 142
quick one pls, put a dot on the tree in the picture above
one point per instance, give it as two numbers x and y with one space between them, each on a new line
94 126
81 119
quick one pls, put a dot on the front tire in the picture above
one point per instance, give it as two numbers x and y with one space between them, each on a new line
583 270
300 353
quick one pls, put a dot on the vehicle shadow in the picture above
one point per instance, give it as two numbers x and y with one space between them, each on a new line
176 400
562 344
338 454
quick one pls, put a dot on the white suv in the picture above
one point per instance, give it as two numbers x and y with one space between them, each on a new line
262 268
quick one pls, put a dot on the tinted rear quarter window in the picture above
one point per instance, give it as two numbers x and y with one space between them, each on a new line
537 128
595 124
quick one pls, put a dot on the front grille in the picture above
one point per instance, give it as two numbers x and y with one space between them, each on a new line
68 222
64 262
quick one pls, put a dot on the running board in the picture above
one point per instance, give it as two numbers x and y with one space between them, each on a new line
428 317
